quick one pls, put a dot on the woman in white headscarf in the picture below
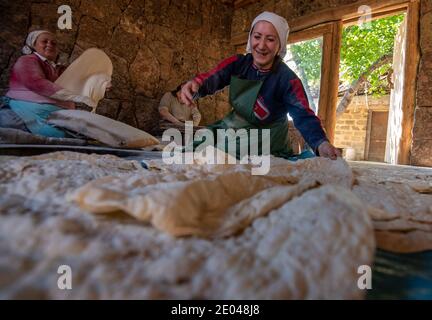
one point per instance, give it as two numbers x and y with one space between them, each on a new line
263 90
34 89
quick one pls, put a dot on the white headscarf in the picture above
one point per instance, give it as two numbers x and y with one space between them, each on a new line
281 26
31 40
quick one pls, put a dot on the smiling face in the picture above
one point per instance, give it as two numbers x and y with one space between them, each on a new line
46 46
265 44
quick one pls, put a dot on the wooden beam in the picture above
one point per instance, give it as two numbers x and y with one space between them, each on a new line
375 16
302 35
325 76
240 49
309 34
343 13
330 78
346 13
412 54
242 3
239 39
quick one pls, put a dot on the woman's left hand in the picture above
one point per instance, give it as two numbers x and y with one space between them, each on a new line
327 150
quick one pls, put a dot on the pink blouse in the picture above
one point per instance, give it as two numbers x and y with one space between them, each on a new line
32 79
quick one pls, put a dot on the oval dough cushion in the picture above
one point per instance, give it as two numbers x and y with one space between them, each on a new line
111 132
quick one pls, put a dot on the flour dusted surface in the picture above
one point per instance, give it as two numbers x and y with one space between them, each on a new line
308 246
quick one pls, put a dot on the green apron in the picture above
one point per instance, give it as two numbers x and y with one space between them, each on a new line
242 96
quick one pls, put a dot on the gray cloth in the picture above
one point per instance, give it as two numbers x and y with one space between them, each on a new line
9 119
14 136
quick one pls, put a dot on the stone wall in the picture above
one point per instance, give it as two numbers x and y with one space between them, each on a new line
154 46
421 149
351 126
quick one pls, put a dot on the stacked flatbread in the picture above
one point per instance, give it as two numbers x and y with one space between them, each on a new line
202 231
400 204
297 233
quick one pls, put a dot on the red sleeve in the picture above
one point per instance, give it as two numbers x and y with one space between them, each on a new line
217 78
29 72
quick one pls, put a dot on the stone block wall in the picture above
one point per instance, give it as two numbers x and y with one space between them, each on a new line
154 45
421 150
351 126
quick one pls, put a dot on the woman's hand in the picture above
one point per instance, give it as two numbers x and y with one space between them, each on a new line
187 92
327 150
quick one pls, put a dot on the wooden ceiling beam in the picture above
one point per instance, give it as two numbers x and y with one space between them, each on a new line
347 13
243 3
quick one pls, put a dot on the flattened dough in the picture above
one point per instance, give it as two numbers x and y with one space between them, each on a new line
400 204
221 204
89 75
299 249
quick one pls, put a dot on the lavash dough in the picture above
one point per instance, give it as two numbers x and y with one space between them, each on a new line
88 75
183 200
296 233
399 202
308 247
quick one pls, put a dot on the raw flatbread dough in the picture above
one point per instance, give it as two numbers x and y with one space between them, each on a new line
224 205
110 132
89 75
395 202
207 206
400 204
302 236
300 249
404 242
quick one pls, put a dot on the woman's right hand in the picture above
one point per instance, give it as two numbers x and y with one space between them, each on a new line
187 92
327 150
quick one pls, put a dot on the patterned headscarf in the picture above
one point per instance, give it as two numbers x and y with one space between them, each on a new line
281 26
31 41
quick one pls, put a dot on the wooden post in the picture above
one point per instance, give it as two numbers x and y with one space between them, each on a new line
330 78
412 54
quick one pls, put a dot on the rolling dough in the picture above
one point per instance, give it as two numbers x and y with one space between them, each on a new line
89 75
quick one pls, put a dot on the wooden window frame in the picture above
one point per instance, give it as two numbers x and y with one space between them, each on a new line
331 34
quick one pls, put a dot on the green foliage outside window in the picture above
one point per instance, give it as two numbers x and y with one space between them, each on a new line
361 47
